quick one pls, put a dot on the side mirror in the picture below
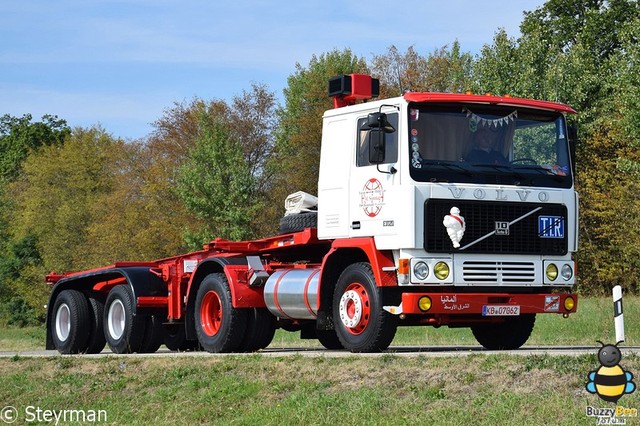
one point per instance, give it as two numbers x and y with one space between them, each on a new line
378 120
377 146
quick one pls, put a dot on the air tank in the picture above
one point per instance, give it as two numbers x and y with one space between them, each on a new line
293 293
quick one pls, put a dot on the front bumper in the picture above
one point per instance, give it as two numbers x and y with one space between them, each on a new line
477 303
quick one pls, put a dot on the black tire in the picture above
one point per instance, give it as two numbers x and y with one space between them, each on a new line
70 322
329 339
97 341
361 324
153 335
123 330
298 222
175 338
511 334
219 326
260 330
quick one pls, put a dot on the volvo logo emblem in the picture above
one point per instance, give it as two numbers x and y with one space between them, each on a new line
502 228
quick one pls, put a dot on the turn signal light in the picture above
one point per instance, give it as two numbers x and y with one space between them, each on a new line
403 266
569 303
424 303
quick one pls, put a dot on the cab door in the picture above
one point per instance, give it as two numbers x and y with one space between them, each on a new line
371 210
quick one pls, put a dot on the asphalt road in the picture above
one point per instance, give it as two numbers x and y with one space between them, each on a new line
403 351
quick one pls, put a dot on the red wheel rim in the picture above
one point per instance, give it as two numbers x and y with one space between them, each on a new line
355 309
211 313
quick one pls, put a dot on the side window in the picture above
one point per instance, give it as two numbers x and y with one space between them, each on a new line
391 151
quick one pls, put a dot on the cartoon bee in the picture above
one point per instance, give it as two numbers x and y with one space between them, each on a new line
610 381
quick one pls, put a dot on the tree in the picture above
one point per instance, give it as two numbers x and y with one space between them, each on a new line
216 183
134 220
499 68
444 70
610 227
574 41
250 120
52 211
584 52
55 193
19 136
449 70
296 157
400 72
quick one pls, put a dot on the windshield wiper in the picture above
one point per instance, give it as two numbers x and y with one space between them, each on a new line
503 168
543 171
446 165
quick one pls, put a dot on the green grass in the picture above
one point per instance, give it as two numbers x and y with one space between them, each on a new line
476 389
22 339
593 321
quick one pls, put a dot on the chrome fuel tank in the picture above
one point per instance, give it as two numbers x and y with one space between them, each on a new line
293 293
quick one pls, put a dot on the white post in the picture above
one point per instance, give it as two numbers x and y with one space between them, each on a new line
617 313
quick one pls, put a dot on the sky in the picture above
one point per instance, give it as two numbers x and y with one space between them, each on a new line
121 63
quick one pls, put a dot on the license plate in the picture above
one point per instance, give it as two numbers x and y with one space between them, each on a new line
501 310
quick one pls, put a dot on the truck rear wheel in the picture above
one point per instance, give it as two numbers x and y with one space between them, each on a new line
97 341
153 335
260 330
70 325
220 327
123 330
175 338
361 324
511 334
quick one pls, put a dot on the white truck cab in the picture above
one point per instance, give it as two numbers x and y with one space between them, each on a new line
394 169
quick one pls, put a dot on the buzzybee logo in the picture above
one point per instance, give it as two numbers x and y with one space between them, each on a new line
610 381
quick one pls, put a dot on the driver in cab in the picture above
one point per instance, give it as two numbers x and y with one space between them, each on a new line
483 151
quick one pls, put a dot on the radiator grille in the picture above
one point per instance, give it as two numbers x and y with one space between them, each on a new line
481 217
498 272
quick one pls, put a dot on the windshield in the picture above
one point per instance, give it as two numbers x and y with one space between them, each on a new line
488 144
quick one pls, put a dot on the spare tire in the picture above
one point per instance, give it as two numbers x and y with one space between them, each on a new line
298 222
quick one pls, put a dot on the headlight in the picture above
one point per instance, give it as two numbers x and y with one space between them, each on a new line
421 270
566 272
552 272
441 270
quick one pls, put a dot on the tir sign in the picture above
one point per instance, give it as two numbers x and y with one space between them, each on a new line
551 226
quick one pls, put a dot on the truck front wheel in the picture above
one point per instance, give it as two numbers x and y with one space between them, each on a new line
511 334
329 339
70 325
220 327
124 330
362 325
